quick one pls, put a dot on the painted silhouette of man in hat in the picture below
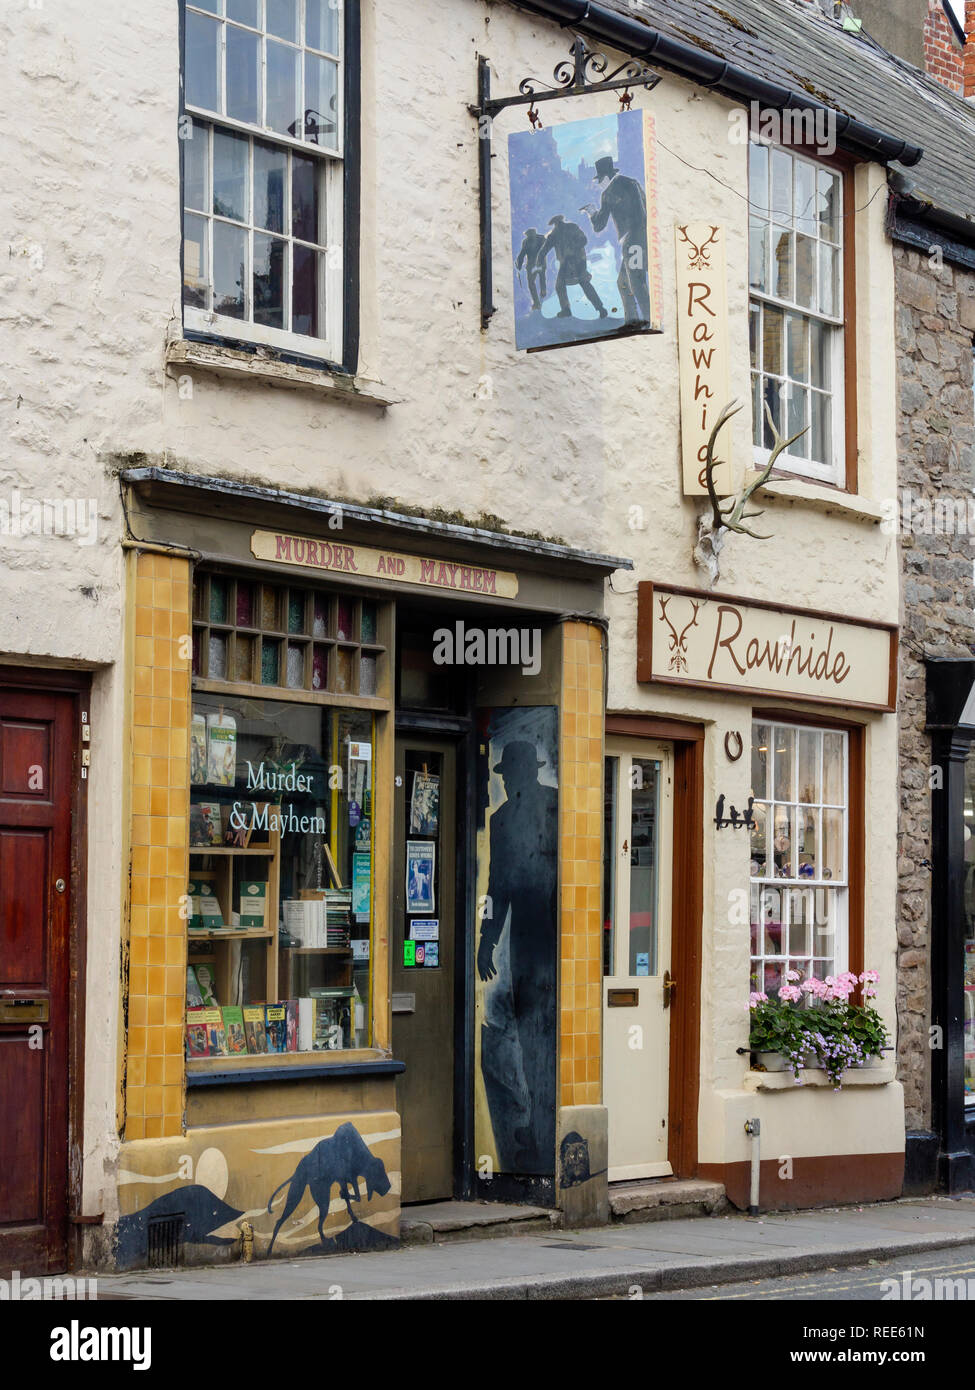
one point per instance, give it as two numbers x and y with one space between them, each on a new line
624 200
569 241
536 273
522 881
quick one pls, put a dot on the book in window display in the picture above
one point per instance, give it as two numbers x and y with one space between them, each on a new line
233 1023
198 750
276 1022
197 1033
255 1031
253 904
208 985
221 750
216 1031
194 995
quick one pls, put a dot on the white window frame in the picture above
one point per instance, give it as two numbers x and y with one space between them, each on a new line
327 347
835 890
796 460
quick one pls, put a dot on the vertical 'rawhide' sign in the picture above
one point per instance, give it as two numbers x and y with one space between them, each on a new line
702 341
583 231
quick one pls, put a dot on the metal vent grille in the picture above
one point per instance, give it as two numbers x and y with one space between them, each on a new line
164 1241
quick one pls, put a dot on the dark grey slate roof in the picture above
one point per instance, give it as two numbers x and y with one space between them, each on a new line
794 43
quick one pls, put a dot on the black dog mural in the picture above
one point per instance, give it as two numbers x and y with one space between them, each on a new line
341 1160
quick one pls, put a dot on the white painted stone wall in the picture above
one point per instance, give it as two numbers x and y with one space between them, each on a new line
567 444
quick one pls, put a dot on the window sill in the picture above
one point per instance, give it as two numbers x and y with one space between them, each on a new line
815 1077
183 355
231 1071
819 497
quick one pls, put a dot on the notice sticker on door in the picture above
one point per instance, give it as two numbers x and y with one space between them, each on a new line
425 929
642 963
421 953
431 953
409 953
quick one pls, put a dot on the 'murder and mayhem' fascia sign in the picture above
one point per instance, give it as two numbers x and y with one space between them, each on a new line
363 562
716 641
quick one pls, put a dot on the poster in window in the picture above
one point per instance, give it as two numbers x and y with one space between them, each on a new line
425 804
584 243
420 866
361 886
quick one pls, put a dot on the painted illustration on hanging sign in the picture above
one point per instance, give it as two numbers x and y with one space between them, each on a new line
584 241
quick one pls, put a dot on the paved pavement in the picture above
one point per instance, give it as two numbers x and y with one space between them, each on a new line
878 1281
654 1257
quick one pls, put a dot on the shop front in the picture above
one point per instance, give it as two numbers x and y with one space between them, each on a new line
362 965
748 802
951 723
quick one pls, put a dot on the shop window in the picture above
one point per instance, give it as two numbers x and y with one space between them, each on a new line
280 903
291 637
799 873
262 148
281 890
796 311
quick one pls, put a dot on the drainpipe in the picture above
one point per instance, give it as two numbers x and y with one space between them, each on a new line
753 1128
639 40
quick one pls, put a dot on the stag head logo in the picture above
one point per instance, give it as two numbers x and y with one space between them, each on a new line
699 257
678 640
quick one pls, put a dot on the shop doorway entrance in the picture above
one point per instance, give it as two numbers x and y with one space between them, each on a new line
424 952
637 966
37 751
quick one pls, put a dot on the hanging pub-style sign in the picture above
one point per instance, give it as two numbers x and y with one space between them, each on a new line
584 238
703 345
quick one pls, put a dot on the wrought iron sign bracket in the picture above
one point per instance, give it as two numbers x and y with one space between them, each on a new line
579 75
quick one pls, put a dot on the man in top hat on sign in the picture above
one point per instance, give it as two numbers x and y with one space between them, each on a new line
568 241
522 880
624 200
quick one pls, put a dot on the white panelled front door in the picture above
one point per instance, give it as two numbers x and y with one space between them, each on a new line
638 857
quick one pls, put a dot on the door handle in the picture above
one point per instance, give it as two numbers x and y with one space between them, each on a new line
670 989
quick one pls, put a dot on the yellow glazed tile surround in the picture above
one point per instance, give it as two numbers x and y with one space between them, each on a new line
160 702
581 764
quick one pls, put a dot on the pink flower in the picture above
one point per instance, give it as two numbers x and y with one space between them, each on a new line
869 977
790 994
870 992
757 997
793 975
810 986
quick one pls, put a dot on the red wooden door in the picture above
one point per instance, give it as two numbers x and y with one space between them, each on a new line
36 763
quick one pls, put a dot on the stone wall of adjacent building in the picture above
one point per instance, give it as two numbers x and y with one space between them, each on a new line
935 324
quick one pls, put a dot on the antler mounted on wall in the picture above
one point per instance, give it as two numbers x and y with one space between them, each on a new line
731 515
